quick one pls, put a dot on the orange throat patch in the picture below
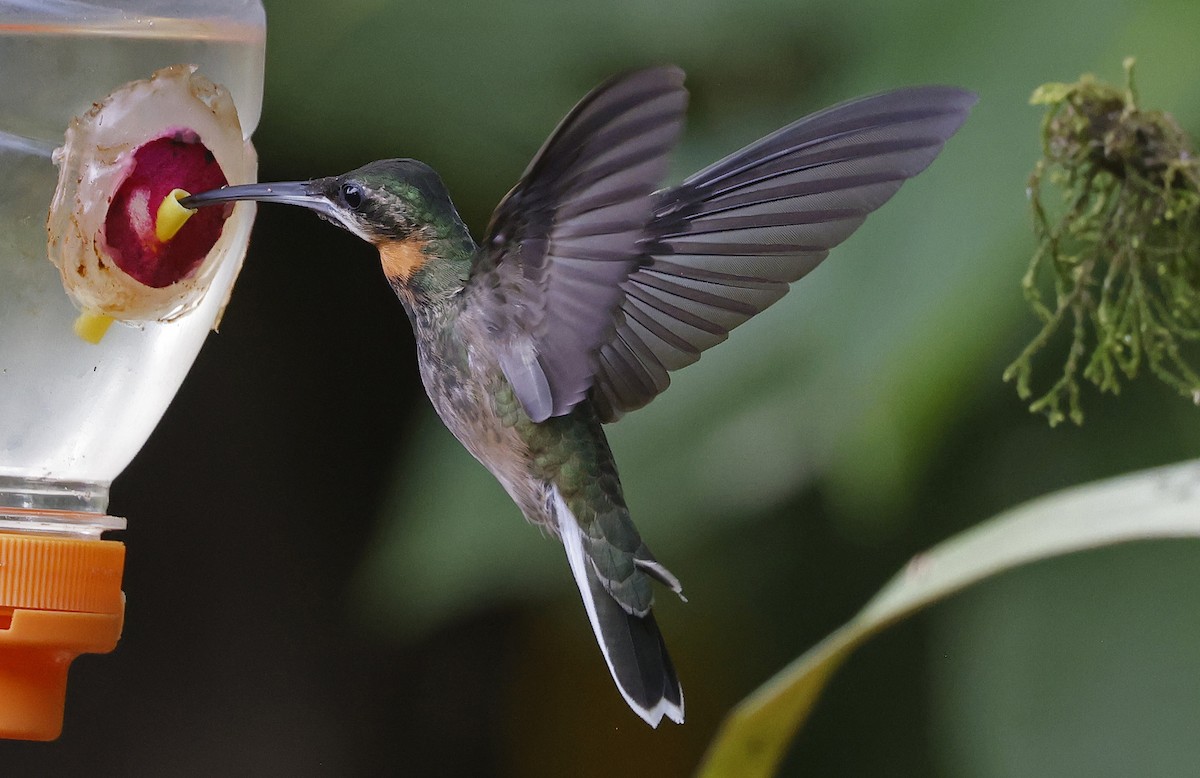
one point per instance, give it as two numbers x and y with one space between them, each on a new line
402 258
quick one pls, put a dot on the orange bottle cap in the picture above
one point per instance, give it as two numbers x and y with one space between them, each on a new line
59 598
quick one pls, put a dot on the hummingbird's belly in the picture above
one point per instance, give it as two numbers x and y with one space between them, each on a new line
477 405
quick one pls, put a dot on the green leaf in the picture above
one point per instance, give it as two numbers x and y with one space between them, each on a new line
1159 503
1049 94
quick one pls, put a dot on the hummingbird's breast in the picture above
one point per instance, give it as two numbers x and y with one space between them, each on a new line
474 400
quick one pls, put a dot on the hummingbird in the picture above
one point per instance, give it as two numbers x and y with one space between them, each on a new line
593 282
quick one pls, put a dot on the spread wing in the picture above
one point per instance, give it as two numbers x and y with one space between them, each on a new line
725 243
547 280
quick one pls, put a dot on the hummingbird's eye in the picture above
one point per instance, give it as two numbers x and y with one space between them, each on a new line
352 195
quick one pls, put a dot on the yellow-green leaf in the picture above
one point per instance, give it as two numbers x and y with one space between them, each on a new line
1159 503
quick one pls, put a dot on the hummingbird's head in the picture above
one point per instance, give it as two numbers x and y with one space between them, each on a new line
398 205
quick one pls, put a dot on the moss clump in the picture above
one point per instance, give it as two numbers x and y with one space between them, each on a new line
1116 207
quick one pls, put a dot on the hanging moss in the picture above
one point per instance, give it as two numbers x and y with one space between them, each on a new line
1116 212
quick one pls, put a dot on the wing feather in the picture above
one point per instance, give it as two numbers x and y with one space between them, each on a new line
548 279
594 284
725 244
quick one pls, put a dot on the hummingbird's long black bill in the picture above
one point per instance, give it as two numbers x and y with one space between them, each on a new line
301 193
306 194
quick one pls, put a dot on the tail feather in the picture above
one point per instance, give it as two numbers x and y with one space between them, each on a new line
632 646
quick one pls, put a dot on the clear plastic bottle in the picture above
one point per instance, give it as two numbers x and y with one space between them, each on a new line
73 414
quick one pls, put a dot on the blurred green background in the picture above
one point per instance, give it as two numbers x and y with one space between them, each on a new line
321 582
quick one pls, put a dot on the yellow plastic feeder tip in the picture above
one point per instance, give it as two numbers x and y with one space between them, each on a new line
92 326
171 215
